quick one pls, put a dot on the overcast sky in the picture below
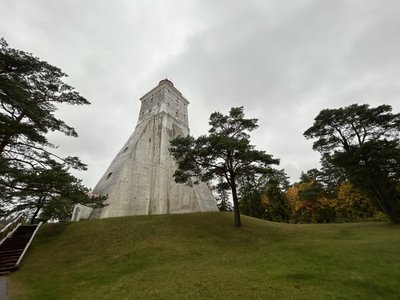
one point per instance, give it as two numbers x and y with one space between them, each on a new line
284 61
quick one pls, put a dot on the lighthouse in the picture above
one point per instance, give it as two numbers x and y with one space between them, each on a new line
139 181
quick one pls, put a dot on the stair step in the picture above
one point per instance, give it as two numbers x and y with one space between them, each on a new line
12 248
15 240
4 259
11 243
13 253
6 244
4 251
8 270
8 262
10 253
7 266
5 273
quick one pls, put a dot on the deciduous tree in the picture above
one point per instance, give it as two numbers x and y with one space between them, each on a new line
364 143
353 204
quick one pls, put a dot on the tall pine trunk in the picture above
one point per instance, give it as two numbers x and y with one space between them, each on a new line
39 206
33 219
236 211
388 208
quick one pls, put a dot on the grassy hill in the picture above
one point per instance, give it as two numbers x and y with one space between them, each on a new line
203 256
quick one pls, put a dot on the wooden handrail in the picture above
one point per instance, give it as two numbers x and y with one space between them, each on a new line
11 227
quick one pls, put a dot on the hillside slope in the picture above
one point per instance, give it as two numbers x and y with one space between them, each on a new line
203 256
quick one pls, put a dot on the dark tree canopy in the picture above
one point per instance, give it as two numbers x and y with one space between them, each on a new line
250 191
362 144
225 152
223 200
30 89
263 196
276 204
50 189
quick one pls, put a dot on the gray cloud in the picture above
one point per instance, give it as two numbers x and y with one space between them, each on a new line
283 61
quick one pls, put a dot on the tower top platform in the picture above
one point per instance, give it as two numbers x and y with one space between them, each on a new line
166 80
165 83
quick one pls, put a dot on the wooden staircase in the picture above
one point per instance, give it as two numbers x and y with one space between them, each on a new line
14 246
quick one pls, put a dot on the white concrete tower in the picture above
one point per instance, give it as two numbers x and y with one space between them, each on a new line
139 180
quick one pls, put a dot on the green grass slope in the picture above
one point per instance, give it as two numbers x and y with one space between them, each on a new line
203 256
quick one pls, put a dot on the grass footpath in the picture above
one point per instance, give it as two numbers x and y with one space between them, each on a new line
203 256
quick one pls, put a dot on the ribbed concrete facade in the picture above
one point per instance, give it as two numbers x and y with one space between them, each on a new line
139 180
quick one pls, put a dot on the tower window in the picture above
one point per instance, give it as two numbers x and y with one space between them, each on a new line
109 174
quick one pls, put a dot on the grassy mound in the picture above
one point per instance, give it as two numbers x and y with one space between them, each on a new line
203 256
